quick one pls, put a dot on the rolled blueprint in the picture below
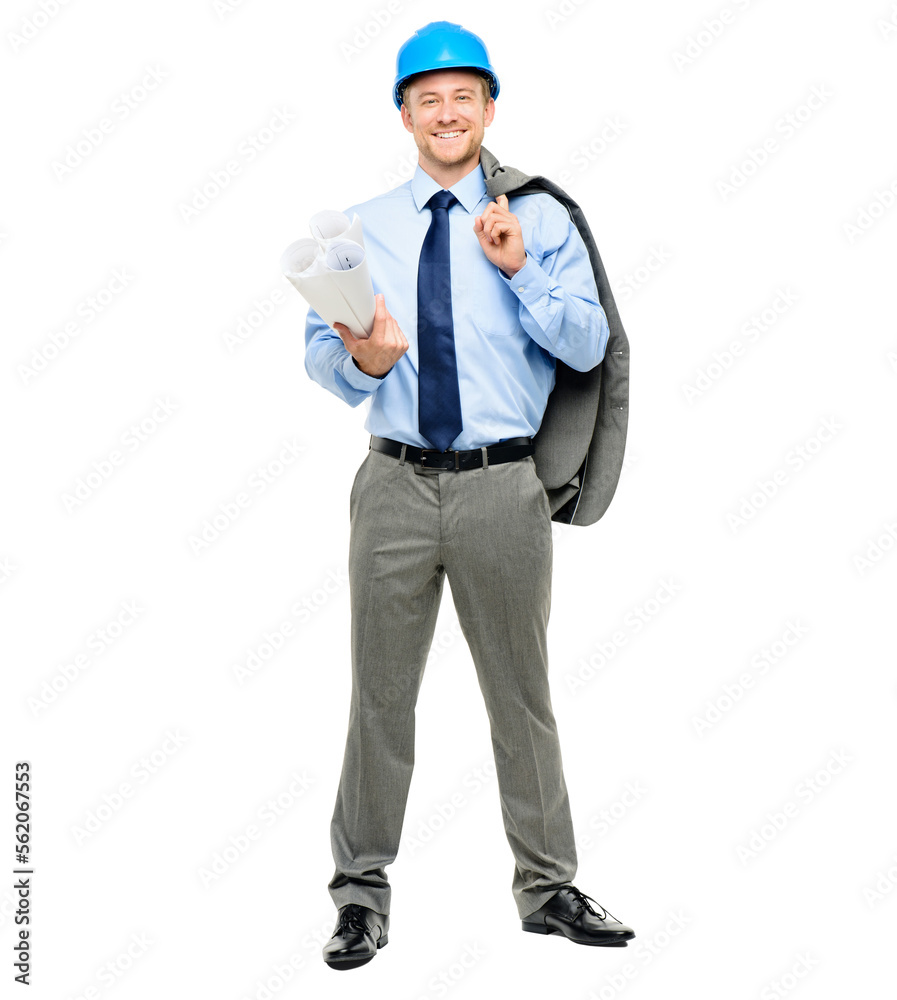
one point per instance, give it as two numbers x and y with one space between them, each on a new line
330 272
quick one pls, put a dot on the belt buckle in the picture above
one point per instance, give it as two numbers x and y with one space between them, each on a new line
439 461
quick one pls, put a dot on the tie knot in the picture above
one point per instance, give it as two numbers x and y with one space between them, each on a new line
442 199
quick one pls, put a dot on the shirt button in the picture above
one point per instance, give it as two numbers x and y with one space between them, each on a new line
520 288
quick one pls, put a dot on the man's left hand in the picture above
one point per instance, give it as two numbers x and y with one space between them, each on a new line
498 231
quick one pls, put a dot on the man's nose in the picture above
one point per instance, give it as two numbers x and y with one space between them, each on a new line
446 112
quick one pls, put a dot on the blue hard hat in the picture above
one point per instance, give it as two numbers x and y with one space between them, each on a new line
442 45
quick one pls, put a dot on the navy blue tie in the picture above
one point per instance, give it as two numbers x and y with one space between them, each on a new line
439 410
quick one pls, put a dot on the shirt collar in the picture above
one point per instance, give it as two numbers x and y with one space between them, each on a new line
469 190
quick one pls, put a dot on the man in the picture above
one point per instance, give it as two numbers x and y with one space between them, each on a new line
485 297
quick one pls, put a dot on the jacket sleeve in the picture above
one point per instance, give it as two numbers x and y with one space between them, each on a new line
559 305
329 363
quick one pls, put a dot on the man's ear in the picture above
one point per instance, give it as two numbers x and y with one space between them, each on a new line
406 118
489 113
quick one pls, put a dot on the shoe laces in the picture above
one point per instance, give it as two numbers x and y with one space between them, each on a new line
351 919
582 899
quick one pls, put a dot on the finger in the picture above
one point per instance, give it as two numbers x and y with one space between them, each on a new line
497 230
379 316
345 334
500 205
494 213
479 228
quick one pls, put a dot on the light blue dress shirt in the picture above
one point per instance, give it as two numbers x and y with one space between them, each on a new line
508 332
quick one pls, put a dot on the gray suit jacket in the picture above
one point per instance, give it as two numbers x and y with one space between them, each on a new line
580 443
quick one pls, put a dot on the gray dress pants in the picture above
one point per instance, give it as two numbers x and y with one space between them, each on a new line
489 530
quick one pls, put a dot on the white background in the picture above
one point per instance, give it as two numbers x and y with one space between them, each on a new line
722 900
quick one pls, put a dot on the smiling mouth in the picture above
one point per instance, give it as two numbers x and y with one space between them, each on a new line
450 135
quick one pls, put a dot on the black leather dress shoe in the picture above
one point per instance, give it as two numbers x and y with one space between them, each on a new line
568 912
359 932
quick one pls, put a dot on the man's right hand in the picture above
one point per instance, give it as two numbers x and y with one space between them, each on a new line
378 353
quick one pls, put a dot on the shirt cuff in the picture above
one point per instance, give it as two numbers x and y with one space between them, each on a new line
529 284
356 377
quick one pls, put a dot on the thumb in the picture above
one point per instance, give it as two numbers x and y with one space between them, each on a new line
502 200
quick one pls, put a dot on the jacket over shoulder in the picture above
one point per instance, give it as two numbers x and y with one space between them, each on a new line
580 443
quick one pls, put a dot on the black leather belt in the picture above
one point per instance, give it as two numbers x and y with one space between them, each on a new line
457 461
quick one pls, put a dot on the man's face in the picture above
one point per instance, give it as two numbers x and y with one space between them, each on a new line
440 104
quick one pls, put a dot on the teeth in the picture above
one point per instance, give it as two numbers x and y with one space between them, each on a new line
448 135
